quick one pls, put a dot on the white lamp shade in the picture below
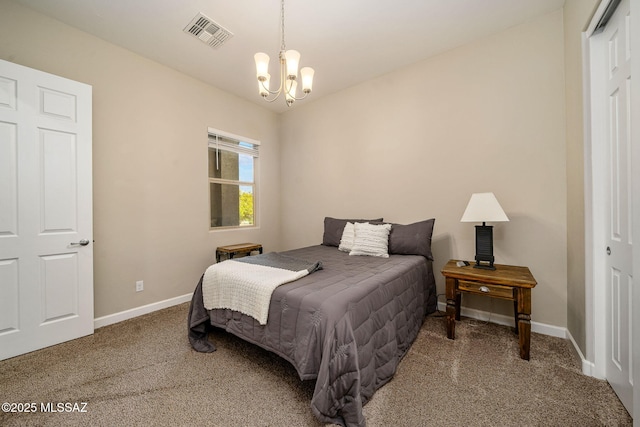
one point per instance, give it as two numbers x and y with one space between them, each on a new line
484 207
307 79
290 91
262 64
292 58
263 86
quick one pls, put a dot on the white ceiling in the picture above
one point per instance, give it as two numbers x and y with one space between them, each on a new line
345 41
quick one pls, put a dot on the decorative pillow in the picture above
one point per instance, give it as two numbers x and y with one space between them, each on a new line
333 229
412 239
372 240
348 237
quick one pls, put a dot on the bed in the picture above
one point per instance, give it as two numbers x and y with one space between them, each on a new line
346 326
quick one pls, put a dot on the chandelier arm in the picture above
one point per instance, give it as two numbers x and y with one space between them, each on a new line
287 91
264 98
273 92
303 97
269 90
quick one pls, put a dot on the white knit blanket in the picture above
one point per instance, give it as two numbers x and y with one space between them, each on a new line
244 287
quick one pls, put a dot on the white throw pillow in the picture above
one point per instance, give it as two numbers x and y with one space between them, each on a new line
348 237
372 240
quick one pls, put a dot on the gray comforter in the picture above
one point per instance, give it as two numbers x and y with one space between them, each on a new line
347 326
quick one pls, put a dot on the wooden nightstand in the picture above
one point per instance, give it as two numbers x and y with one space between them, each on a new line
506 282
240 249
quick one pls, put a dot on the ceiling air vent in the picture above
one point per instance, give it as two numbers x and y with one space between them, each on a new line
208 31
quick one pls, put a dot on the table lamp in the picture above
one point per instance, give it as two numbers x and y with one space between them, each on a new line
484 207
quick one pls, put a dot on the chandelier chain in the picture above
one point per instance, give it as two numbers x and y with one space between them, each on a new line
283 47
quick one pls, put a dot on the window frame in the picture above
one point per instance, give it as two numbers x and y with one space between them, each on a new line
254 152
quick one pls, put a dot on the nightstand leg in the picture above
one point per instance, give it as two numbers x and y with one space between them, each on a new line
524 332
524 321
515 315
451 308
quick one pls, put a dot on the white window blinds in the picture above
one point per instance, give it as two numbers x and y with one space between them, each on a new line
219 140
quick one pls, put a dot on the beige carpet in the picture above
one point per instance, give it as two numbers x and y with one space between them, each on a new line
143 372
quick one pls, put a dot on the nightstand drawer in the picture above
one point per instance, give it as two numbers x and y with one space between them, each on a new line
496 291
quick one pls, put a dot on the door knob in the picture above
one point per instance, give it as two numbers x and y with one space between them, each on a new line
608 250
83 242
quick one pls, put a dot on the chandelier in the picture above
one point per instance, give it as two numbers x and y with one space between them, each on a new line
289 60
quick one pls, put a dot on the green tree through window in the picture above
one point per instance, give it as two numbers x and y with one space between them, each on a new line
246 207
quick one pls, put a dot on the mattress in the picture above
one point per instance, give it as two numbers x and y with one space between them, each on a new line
346 326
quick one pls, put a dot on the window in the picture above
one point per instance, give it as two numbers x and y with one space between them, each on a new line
232 180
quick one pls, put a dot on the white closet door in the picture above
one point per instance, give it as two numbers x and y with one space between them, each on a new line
619 221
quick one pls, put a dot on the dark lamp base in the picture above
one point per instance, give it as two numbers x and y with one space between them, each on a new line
484 266
484 247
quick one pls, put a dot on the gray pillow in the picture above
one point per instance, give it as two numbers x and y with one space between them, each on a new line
334 227
412 239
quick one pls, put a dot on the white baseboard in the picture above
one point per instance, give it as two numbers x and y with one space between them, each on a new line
139 311
587 366
541 328
500 319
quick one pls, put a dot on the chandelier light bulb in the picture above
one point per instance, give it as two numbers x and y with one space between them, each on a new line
262 65
307 79
293 59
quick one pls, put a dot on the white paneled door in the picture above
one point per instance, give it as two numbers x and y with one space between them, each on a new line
619 250
46 243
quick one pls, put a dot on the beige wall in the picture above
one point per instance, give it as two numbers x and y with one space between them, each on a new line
501 114
150 159
414 144
577 14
